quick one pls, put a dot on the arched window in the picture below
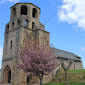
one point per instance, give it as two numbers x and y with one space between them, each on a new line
34 12
11 45
18 23
28 80
33 25
23 10
12 25
26 23
14 11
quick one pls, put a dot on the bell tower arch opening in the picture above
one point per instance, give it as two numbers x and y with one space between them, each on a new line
14 12
34 13
7 28
18 23
26 23
12 27
23 10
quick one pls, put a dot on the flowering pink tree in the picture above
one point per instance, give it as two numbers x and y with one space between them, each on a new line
37 61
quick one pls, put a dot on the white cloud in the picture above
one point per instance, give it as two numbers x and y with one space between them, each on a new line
13 0
3 1
83 48
73 11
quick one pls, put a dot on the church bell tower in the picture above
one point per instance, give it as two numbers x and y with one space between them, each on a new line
24 23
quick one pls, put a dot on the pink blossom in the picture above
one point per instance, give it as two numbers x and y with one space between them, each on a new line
37 60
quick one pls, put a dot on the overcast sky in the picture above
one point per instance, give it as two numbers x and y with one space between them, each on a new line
64 19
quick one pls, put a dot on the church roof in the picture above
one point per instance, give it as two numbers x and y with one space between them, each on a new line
66 55
25 3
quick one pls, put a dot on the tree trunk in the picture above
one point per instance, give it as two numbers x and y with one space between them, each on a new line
66 77
41 81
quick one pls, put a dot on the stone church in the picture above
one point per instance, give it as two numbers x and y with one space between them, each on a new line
24 23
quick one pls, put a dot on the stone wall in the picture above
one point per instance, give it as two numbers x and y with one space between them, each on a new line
75 64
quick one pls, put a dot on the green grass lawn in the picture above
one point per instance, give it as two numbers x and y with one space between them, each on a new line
53 83
77 71
76 77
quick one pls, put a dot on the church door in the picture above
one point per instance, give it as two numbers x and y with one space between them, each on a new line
28 80
9 76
